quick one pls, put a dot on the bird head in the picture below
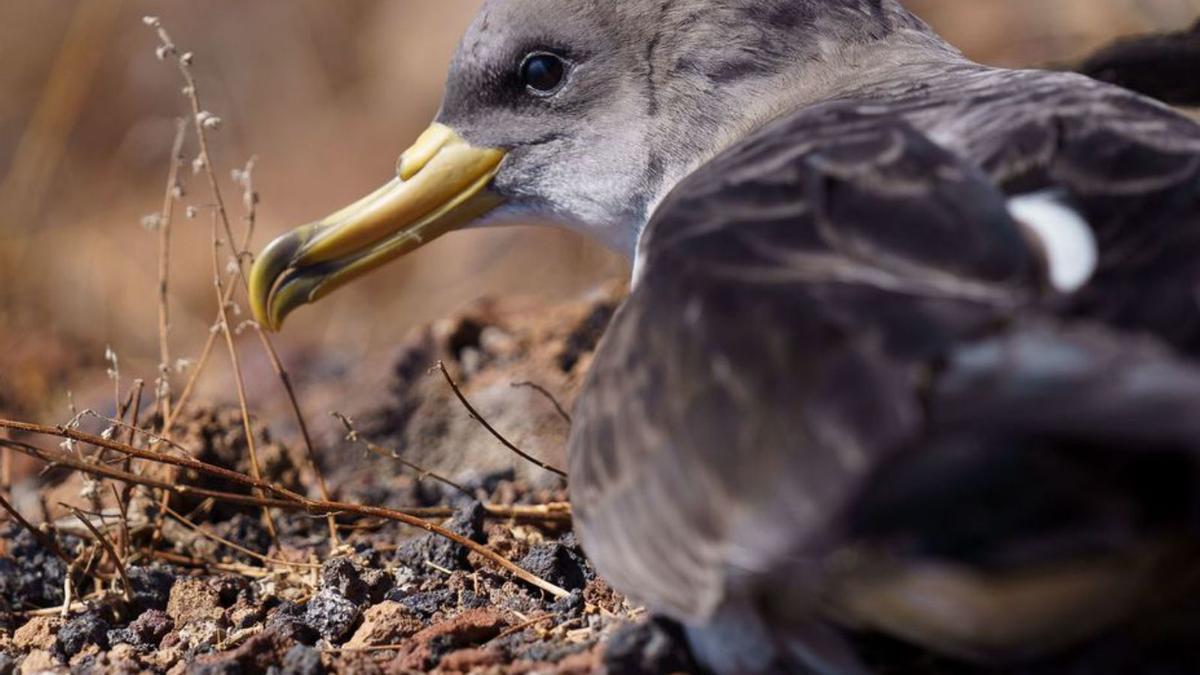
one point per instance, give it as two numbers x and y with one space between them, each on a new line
581 113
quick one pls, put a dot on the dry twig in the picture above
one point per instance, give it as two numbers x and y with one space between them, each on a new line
353 437
103 541
202 121
239 382
500 437
558 407
162 390
288 500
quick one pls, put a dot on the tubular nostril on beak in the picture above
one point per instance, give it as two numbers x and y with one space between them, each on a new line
428 145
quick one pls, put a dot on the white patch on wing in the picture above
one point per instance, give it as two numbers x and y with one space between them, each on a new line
1065 238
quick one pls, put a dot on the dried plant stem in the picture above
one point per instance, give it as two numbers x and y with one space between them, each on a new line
6 463
558 407
162 392
183 520
136 405
353 437
290 499
310 452
205 158
251 447
103 541
556 512
122 501
479 418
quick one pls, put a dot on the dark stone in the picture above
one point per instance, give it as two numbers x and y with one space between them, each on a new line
89 628
247 531
33 576
467 521
425 604
648 648
466 336
229 588
486 483
553 652
584 338
379 584
439 646
368 554
570 607
345 577
332 615
302 660
146 632
473 600
256 655
151 587
290 621
227 667
7 624
559 564
8 664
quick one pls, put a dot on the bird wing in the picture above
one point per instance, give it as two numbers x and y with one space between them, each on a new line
1128 165
799 301
745 388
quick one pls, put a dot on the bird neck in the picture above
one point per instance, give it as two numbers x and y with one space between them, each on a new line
694 133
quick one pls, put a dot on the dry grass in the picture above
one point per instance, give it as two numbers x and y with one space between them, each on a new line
145 453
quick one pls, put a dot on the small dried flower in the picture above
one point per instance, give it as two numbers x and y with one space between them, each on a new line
192 212
198 164
208 120
162 51
183 365
114 369
151 21
187 58
151 221
162 388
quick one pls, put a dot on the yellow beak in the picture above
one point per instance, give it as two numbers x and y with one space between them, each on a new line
442 184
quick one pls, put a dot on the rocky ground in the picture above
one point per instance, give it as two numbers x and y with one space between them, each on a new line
213 591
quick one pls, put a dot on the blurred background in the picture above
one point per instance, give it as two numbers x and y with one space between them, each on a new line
325 95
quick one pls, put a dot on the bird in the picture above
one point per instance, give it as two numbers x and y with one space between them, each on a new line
912 343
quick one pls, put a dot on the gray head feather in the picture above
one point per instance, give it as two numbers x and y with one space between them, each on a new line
655 88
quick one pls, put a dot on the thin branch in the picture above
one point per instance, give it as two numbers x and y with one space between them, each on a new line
353 437
138 386
103 541
183 520
292 500
251 447
122 501
202 121
522 626
162 392
562 412
479 418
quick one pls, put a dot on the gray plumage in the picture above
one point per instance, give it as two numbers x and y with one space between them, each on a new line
844 394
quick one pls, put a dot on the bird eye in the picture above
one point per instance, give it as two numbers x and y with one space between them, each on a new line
543 73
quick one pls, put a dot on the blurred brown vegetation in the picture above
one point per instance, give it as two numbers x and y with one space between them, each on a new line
325 94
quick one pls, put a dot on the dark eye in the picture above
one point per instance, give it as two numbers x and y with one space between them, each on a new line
543 73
